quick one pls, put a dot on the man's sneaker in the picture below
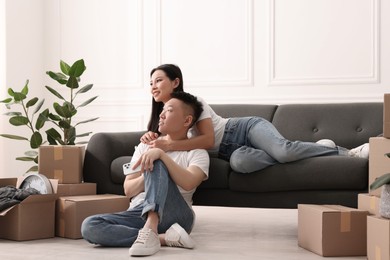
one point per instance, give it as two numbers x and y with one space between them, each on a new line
326 142
361 151
147 243
176 236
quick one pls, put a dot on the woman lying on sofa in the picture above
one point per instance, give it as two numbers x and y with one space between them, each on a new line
248 143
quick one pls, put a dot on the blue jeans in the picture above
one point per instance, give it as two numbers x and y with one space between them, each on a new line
253 143
121 229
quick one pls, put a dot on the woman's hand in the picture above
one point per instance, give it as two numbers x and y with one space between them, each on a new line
148 137
161 144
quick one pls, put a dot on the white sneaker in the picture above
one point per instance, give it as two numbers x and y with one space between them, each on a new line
147 243
326 142
176 236
361 151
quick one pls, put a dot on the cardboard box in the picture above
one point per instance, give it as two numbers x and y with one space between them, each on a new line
76 189
332 230
378 238
72 210
379 164
386 116
62 162
32 218
369 203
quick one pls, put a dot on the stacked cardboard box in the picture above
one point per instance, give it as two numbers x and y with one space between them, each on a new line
72 210
378 228
76 199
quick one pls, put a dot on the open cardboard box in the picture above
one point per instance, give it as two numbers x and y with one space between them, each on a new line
32 218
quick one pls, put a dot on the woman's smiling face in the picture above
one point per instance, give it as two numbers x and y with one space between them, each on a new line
161 86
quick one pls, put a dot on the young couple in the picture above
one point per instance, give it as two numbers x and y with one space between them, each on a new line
173 162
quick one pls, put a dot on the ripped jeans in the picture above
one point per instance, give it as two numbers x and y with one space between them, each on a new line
253 143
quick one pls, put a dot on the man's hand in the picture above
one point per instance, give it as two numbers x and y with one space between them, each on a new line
148 137
147 159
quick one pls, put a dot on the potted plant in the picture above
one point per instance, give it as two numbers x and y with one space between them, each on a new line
62 117
384 180
27 116
64 113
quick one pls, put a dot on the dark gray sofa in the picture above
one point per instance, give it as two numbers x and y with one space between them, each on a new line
319 180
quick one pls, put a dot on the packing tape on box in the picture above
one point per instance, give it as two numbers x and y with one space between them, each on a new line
378 253
59 174
345 221
372 203
58 153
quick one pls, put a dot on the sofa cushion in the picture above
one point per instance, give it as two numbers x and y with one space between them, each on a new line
347 124
317 173
116 170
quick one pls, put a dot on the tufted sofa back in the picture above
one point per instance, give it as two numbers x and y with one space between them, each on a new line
348 124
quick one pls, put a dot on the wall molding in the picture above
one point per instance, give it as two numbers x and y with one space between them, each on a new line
372 77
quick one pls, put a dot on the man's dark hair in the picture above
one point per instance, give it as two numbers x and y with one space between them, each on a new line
191 101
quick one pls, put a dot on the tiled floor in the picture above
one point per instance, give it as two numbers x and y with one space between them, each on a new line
220 233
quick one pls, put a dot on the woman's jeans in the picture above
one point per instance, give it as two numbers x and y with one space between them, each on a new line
253 143
121 229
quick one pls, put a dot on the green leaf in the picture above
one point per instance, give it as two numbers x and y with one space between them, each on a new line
87 102
84 134
7 100
32 102
19 96
39 106
70 136
53 137
25 88
66 111
64 67
55 93
72 82
381 180
77 69
33 169
25 159
54 117
84 89
59 77
18 120
11 92
86 121
36 140
64 124
31 153
13 114
15 137
42 118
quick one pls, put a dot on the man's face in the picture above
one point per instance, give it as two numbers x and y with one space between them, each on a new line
174 117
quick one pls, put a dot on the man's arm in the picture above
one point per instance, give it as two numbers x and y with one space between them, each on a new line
134 184
188 179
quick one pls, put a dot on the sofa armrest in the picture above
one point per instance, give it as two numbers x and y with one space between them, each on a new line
101 150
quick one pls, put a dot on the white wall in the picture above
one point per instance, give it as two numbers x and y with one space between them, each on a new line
230 51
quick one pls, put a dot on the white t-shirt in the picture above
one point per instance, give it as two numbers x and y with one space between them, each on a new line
197 157
219 124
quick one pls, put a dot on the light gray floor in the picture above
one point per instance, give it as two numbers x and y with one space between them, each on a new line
220 233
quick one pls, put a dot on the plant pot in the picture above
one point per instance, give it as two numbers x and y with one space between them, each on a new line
384 205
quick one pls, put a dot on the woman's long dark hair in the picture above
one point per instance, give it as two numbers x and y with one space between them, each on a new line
173 72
